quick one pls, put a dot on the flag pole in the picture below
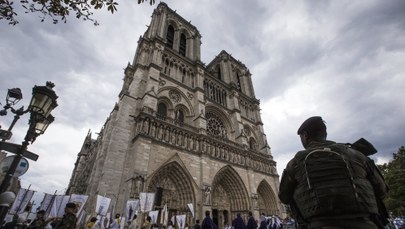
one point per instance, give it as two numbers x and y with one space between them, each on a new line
22 200
49 207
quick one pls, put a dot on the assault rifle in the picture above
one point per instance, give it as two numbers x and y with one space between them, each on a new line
366 148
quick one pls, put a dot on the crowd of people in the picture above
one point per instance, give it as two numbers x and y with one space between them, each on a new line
68 221
264 222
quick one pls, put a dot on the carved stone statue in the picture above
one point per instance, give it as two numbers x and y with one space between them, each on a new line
207 195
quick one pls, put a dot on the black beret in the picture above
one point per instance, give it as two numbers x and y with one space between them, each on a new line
314 123
71 205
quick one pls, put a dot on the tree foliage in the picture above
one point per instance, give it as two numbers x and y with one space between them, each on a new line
394 175
57 10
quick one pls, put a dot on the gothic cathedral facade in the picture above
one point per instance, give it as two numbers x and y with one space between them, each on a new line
190 132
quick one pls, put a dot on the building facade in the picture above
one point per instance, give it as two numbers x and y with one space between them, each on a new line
190 132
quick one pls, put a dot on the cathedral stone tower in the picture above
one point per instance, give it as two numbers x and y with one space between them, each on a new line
190 132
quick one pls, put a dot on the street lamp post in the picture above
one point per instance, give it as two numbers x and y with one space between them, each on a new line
13 97
42 103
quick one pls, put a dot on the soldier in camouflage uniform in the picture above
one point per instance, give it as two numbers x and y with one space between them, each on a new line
39 222
69 219
331 185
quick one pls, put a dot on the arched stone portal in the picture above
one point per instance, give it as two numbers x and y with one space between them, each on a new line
229 196
176 188
267 199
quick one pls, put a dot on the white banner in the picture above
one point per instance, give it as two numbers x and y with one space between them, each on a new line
146 200
191 207
46 203
132 209
103 203
58 206
21 201
154 215
164 217
181 221
79 200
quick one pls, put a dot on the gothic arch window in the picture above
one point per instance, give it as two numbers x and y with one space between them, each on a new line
183 45
192 80
167 67
218 72
170 36
183 75
162 110
238 84
215 126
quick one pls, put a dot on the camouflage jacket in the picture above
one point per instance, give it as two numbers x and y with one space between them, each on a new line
68 222
37 224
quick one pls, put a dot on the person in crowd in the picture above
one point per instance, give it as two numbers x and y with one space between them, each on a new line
12 224
238 222
207 222
276 222
251 222
148 223
263 221
39 222
134 223
91 223
69 218
330 184
115 224
197 224
170 224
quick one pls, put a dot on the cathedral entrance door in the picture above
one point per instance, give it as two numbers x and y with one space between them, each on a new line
220 218
215 217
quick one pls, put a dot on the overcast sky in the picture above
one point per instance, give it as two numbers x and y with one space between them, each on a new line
342 60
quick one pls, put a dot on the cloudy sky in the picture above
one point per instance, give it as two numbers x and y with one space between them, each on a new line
342 60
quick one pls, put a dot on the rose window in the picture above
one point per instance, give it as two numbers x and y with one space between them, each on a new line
215 126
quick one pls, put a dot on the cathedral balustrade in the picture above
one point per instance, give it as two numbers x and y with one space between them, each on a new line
188 138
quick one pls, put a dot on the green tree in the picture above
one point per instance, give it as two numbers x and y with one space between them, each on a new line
57 10
394 175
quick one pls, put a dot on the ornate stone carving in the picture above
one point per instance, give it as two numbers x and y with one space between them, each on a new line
207 195
190 96
175 96
254 200
215 125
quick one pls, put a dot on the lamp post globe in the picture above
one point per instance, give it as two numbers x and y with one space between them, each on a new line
14 95
43 100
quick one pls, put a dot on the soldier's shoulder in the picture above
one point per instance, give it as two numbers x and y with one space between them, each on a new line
299 155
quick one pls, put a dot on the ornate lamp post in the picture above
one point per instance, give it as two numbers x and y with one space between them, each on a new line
13 97
42 103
